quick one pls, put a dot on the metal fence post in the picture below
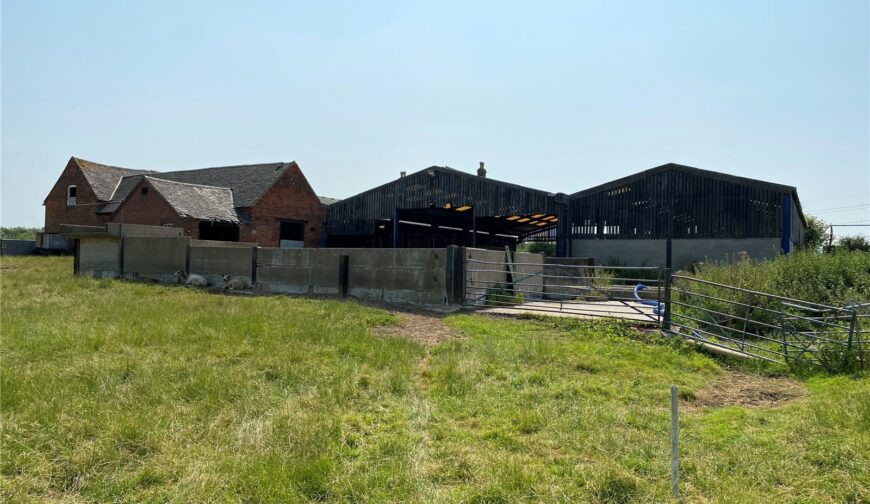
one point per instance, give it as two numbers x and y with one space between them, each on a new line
668 281
675 434
853 322
782 330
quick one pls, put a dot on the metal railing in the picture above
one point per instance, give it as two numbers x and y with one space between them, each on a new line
752 323
572 290
769 327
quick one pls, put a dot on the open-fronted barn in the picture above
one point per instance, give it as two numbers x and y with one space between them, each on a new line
706 214
441 206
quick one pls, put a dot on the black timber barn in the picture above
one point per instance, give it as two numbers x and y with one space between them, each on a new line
623 221
440 206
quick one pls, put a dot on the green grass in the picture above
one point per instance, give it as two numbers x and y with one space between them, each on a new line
116 391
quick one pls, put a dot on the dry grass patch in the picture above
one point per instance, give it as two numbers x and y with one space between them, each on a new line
741 389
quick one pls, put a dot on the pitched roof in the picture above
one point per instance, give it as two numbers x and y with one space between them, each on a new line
326 200
104 178
734 179
196 201
247 182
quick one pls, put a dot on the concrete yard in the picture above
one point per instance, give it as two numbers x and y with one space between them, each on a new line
626 310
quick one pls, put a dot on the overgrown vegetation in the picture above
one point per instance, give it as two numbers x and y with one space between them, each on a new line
19 233
829 279
836 280
501 295
117 391
546 248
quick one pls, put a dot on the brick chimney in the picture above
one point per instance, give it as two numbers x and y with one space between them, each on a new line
481 172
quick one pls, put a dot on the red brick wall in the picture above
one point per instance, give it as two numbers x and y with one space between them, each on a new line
85 211
290 198
152 210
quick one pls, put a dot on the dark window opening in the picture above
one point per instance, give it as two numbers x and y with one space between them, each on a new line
144 191
294 231
220 231
71 196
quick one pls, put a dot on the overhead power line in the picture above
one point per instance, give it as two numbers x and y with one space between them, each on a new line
850 207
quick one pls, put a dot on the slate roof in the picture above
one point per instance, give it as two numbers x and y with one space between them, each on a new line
199 202
247 182
112 184
104 178
326 200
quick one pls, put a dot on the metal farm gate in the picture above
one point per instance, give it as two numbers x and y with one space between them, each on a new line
498 283
766 326
738 321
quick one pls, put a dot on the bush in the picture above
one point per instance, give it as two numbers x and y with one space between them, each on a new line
18 233
853 243
546 248
830 279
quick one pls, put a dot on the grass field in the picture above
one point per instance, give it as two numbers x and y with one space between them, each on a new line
116 391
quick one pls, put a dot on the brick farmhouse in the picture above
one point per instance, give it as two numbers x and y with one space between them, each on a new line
270 204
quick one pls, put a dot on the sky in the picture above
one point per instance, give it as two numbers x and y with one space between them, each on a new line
559 96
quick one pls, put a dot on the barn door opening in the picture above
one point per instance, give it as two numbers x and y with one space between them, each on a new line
291 234
220 231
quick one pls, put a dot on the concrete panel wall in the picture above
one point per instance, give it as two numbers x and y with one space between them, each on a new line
492 272
120 229
416 276
562 276
685 251
155 258
529 278
215 261
99 257
480 276
298 271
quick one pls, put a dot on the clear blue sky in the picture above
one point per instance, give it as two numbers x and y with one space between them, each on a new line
558 96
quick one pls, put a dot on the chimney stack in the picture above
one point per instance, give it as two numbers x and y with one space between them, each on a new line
481 172
402 174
